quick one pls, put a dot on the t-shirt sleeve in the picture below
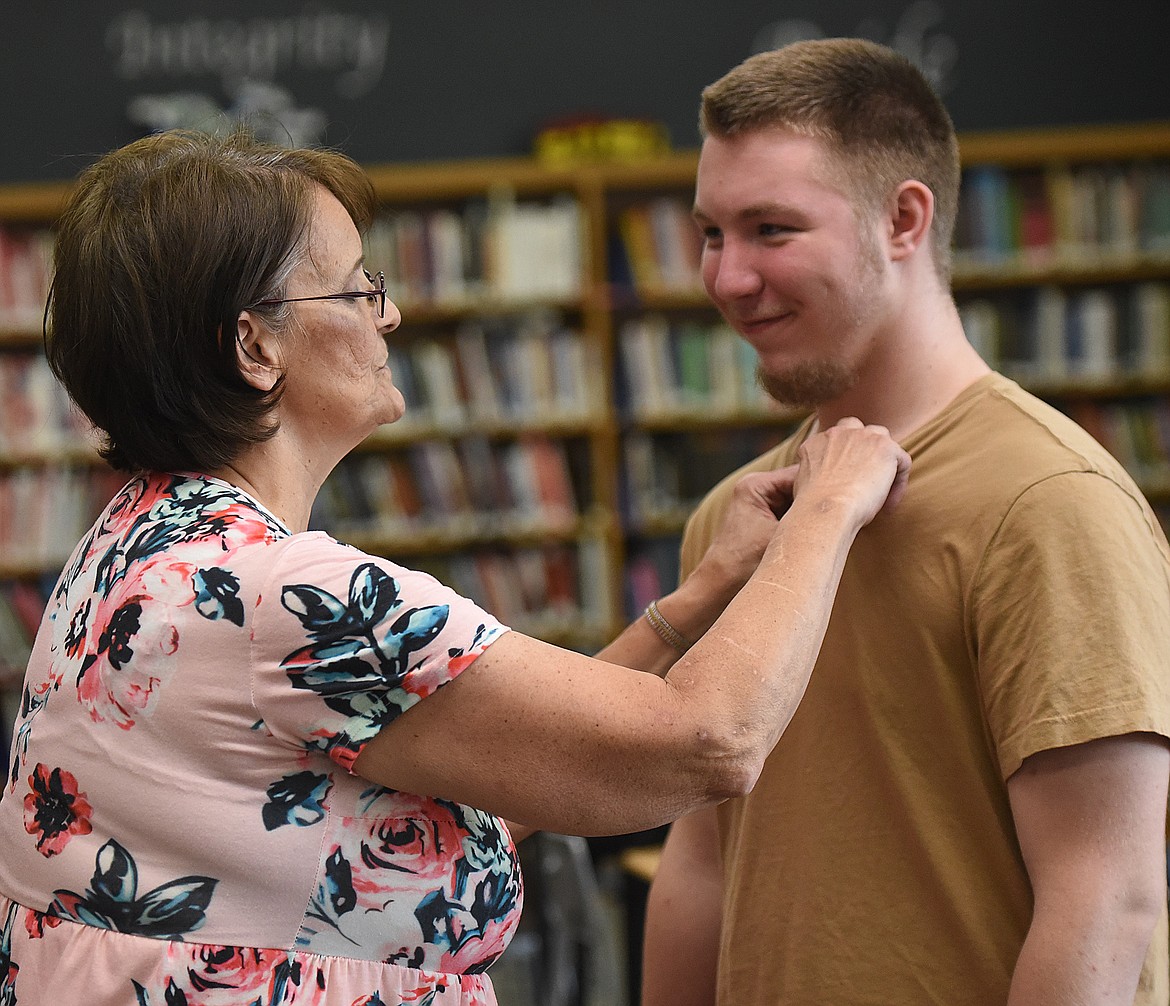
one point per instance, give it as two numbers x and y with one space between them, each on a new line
344 642
1072 617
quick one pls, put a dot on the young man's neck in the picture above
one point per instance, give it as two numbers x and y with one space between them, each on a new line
913 375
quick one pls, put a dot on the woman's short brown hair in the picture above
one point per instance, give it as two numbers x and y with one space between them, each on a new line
161 245
876 111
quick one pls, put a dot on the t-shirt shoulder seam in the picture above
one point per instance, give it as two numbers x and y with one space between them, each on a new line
972 587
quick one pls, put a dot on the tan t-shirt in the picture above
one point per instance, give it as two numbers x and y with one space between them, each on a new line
1016 601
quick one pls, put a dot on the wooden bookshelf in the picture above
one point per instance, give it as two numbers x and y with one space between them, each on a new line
693 440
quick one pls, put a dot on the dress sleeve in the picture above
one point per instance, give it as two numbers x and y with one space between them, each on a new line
1072 619
344 642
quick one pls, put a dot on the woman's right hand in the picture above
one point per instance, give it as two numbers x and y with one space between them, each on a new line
858 465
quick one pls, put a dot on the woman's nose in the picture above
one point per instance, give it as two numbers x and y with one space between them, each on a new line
392 318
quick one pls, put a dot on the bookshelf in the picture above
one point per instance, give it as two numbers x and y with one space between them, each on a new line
571 391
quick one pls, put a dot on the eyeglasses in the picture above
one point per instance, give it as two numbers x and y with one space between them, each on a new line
377 296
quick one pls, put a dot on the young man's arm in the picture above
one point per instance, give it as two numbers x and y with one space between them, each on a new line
1091 824
683 916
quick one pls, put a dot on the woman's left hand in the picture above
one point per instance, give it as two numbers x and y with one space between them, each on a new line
758 502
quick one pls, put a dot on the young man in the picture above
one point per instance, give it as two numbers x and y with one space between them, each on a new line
968 807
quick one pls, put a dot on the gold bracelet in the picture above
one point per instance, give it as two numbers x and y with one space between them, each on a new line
666 632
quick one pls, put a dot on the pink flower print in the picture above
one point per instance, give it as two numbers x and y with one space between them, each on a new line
204 974
132 641
417 847
245 971
55 810
35 923
488 945
137 496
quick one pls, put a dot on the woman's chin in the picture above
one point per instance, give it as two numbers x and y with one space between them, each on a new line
394 409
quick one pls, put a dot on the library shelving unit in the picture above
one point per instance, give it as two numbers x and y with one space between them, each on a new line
571 392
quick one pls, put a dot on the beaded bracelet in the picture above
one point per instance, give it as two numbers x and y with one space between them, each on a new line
666 632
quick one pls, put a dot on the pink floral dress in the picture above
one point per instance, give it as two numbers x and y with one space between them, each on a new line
181 825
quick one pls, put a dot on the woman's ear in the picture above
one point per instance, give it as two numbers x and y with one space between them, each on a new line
257 352
911 213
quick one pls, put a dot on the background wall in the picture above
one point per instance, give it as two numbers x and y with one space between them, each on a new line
414 80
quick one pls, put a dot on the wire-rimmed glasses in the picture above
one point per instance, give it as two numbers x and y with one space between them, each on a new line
377 296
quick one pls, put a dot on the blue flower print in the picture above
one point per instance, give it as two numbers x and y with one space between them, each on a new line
181 510
334 898
296 799
115 638
167 912
217 974
31 703
354 663
217 595
485 847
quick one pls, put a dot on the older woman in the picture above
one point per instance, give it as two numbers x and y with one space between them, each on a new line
254 764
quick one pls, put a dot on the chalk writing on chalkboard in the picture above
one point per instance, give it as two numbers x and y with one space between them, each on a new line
913 34
245 56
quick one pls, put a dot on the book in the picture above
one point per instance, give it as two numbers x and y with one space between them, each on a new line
1035 227
484 401
445 238
984 198
1149 325
980 319
553 485
637 233
1093 335
1153 184
434 367
678 245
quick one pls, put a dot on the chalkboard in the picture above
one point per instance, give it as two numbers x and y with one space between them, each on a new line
439 79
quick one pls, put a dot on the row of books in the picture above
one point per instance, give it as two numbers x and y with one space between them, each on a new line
1063 213
25 265
499 371
44 510
655 248
499 248
459 488
651 570
1136 432
671 369
555 591
665 475
1049 333
1040 216
496 248
36 416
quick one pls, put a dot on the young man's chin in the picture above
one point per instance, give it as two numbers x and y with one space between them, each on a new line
806 385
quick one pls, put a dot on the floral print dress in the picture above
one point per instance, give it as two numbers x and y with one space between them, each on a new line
181 824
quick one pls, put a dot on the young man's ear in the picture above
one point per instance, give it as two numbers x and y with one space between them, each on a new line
257 352
911 211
